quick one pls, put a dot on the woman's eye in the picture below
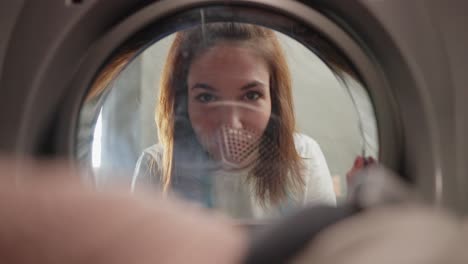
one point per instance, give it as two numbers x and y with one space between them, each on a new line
253 96
205 97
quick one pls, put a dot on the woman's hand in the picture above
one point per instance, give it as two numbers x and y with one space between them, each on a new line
359 163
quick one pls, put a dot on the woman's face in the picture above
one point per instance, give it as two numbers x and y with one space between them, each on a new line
228 90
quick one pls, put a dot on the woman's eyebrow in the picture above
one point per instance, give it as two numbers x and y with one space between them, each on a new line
252 85
204 86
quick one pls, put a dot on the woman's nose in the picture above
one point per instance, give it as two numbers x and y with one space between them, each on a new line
232 116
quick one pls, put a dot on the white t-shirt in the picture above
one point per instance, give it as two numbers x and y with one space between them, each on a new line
230 193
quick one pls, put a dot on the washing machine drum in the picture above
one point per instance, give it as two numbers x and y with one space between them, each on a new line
254 108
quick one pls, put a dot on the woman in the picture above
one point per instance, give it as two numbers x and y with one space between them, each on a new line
226 126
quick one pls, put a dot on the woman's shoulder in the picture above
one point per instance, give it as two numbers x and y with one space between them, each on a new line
147 170
305 145
154 152
149 159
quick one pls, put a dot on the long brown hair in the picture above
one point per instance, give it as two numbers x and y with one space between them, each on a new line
111 71
280 168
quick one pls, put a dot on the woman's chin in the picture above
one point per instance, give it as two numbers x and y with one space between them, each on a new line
231 167
224 163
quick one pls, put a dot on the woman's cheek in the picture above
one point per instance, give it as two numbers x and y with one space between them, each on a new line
205 128
258 120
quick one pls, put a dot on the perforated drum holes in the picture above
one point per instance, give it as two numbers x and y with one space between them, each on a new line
240 147
237 145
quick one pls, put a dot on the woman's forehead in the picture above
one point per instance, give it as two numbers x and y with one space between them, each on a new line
227 56
233 63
